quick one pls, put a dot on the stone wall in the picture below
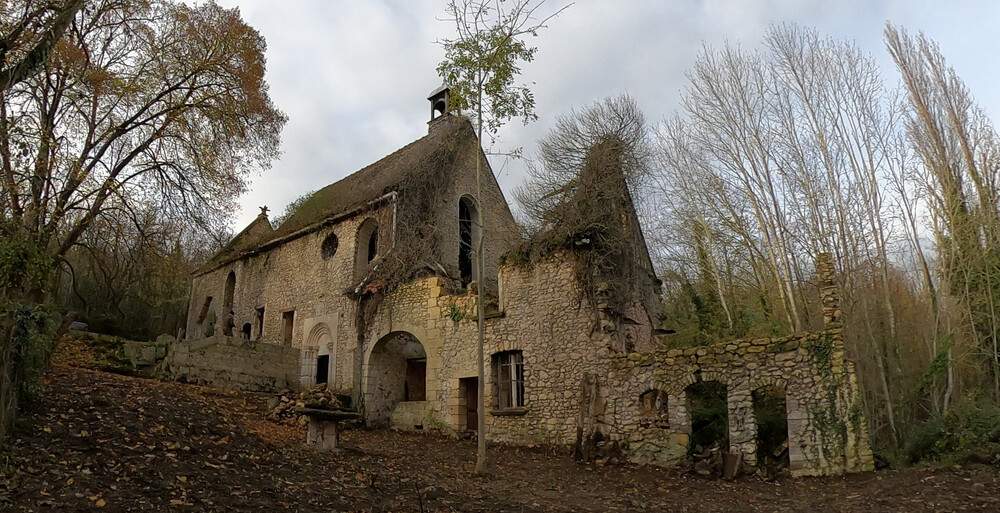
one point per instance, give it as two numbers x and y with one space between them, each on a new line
578 382
542 314
826 427
293 277
231 363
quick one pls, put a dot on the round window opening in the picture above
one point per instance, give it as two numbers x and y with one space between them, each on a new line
329 246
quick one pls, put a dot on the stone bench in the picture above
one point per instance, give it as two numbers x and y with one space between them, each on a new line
323 426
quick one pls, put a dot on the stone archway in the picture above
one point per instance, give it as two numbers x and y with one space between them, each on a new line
396 373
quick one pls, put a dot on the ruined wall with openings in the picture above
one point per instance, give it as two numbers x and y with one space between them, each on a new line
577 381
826 426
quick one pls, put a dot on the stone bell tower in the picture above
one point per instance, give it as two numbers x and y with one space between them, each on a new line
440 99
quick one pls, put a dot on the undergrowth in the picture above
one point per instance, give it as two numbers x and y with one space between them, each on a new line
968 432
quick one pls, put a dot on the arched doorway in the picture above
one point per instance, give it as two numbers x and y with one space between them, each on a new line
396 373
709 410
318 362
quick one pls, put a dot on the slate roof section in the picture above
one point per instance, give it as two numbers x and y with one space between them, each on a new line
353 192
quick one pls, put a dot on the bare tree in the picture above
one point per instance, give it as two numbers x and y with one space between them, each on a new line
958 146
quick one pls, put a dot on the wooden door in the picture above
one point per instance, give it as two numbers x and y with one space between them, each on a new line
471 391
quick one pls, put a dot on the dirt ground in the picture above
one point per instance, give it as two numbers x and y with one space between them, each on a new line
116 443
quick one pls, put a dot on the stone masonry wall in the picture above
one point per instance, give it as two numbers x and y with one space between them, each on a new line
294 277
229 362
542 314
565 345
826 427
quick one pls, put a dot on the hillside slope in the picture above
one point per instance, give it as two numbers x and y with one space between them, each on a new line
120 443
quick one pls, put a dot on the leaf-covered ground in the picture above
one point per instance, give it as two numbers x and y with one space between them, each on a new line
117 443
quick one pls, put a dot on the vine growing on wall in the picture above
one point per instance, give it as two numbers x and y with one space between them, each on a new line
415 248
580 200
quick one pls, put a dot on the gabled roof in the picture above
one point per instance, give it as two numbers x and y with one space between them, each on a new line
357 190
256 233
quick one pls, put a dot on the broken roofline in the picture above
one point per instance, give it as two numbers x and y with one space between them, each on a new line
307 230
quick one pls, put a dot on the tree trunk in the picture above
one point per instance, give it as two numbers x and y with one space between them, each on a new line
480 304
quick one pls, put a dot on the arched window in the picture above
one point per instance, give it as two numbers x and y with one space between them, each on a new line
373 244
227 303
366 248
468 234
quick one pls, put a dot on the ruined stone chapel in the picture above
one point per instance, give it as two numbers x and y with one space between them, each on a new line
368 287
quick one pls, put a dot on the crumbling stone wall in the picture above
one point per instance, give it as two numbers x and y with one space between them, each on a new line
578 385
542 314
231 363
826 428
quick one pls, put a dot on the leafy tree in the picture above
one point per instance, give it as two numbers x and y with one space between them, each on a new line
480 66
144 103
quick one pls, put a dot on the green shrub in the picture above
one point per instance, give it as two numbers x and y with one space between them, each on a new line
969 431
34 342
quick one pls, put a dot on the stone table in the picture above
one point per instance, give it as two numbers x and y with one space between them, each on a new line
323 426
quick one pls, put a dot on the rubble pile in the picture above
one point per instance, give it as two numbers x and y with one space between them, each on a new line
287 406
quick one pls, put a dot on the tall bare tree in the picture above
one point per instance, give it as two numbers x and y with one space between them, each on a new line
959 148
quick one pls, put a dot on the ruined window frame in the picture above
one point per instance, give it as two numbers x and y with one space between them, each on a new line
654 404
363 246
509 380
287 326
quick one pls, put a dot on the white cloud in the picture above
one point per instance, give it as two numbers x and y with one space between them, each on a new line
353 76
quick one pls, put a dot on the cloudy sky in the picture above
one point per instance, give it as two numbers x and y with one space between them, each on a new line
353 75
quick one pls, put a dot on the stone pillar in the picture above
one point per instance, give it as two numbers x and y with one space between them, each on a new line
858 453
680 424
680 421
307 367
797 422
742 424
829 291
322 434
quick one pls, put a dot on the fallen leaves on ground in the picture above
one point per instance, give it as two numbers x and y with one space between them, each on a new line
117 443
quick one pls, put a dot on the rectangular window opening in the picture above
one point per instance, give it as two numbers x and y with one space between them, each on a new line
509 375
287 324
